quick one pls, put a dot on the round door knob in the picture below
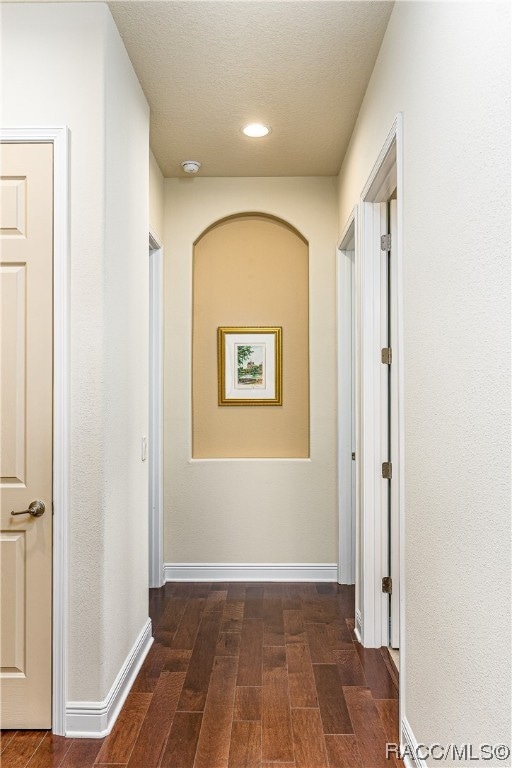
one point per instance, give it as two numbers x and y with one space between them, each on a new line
35 508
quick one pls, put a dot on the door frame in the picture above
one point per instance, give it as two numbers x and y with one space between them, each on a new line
156 395
59 136
386 175
347 332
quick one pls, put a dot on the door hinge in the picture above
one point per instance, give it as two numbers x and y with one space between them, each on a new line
387 470
385 242
387 585
386 355
353 455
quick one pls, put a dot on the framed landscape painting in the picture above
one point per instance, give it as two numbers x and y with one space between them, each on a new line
249 366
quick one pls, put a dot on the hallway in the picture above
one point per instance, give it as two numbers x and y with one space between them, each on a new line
242 676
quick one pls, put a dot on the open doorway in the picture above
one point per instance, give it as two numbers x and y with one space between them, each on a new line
379 268
348 501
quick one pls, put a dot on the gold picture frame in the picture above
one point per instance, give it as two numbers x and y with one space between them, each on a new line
250 365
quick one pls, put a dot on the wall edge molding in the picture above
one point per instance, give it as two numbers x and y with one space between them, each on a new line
95 719
409 742
250 571
358 629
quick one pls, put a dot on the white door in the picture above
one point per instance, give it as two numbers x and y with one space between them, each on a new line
26 310
389 411
394 522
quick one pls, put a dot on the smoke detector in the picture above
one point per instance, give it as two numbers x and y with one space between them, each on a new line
190 166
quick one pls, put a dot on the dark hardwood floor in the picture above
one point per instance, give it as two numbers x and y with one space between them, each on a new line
242 676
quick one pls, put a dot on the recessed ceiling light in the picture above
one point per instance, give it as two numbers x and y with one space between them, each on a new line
256 130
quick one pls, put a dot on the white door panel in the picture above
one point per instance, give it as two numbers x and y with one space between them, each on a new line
394 522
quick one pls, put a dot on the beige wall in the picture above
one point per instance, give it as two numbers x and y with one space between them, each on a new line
250 272
156 199
446 67
64 64
290 514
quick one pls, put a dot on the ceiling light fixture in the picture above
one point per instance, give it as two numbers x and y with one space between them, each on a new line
256 130
191 166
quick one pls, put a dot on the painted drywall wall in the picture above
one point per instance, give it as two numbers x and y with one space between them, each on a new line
64 64
125 355
446 66
156 199
290 510
251 271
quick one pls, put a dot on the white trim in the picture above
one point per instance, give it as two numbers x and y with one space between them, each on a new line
95 719
346 321
250 571
408 740
387 172
156 388
394 512
401 401
60 138
345 241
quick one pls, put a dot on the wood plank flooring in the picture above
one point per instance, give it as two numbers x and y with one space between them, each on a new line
241 676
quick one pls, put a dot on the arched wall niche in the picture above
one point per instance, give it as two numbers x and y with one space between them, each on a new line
251 215
250 270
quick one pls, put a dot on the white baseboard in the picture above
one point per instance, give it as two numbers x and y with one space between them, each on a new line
95 719
250 571
409 741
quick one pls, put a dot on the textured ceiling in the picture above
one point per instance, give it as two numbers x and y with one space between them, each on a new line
208 67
